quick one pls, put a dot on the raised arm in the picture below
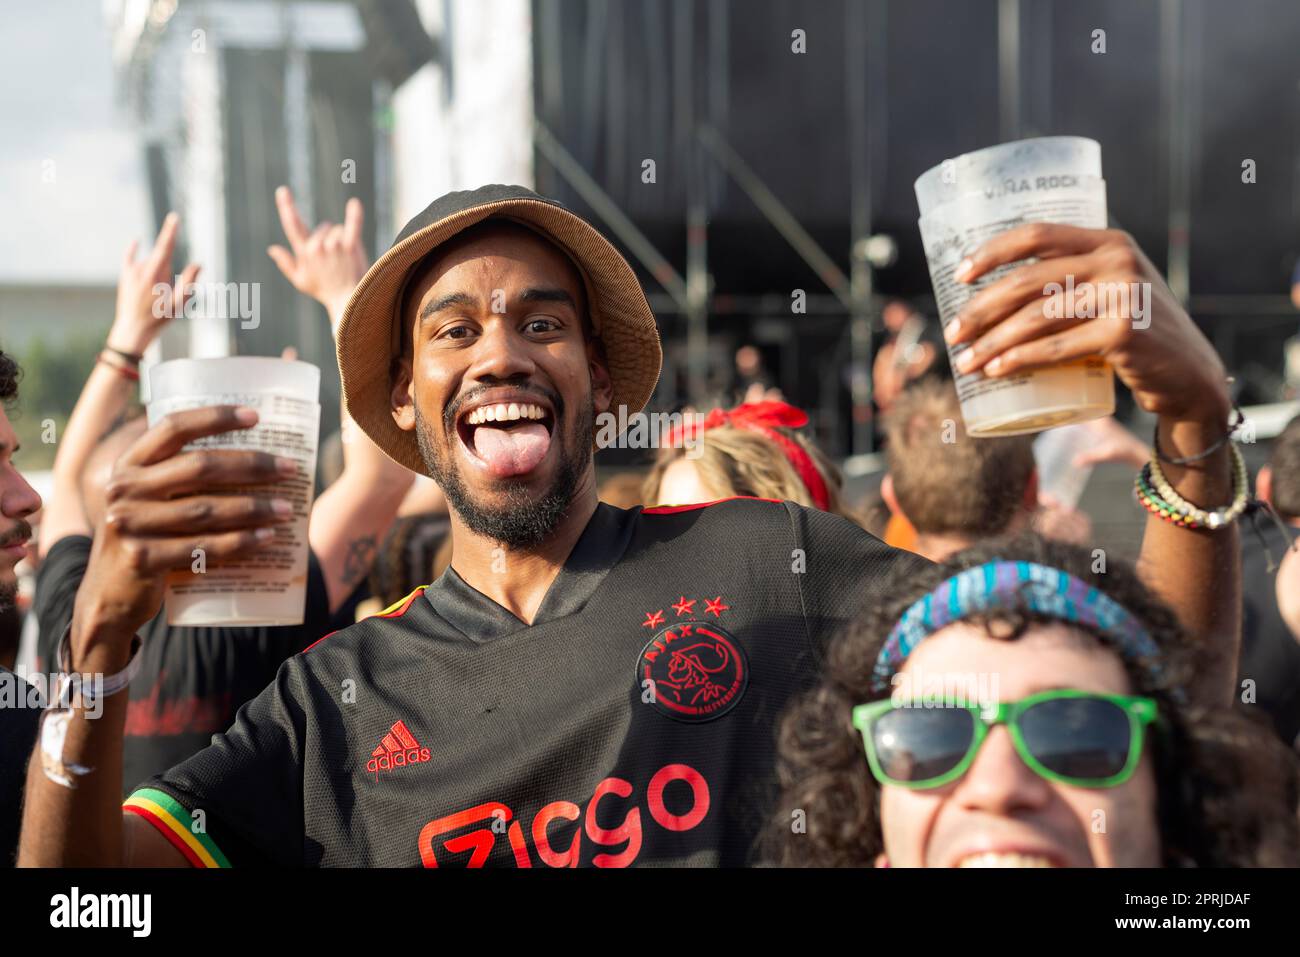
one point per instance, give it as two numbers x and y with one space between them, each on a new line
161 505
1158 352
351 517
140 317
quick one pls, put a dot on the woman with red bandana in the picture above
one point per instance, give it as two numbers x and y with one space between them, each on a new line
752 450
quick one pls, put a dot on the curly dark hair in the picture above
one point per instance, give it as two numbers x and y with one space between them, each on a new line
9 375
1227 789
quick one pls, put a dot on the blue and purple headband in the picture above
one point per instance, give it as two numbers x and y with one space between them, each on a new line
1013 586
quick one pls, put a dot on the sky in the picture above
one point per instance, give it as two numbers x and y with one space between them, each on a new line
58 105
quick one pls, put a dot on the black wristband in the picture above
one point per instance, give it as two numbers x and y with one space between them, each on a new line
1188 460
130 357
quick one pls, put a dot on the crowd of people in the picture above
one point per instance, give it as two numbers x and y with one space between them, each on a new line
719 661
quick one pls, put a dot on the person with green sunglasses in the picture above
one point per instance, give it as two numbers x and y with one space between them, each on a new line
1081 738
1014 708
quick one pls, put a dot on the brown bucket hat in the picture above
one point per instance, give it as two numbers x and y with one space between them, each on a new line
369 335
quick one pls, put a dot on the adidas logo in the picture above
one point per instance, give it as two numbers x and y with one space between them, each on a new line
399 748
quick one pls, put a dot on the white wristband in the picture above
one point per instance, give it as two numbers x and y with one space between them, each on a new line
71 691
107 686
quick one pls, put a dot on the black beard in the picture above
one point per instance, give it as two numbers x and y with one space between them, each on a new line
21 531
514 518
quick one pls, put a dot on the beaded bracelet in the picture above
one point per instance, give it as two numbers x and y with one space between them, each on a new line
1152 502
1157 496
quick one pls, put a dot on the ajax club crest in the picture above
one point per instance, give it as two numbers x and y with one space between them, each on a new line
694 670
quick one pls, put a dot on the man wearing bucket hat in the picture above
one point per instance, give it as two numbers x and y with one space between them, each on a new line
585 685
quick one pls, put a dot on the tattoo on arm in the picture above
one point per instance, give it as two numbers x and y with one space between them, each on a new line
356 564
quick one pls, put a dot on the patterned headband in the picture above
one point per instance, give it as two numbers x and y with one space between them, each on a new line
1014 585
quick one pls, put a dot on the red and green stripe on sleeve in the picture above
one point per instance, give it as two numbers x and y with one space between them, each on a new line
176 824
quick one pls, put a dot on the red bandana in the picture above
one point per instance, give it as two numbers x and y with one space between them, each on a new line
763 417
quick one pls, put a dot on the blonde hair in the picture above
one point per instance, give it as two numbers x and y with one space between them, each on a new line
736 461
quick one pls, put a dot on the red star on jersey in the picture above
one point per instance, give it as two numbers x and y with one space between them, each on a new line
684 607
715 607
653 618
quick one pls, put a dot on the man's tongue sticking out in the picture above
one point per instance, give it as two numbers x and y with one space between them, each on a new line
511 451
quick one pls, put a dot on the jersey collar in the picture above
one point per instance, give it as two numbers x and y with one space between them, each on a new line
599 548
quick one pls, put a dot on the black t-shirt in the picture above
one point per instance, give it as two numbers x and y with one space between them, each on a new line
192 680
20 713
1270 654
632 723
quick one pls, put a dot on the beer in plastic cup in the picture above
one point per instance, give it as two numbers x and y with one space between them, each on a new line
965 201
268 587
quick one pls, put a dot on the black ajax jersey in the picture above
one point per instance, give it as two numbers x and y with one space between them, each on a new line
633 722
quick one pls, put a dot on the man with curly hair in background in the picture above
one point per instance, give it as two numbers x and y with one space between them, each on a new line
1014 707
18 500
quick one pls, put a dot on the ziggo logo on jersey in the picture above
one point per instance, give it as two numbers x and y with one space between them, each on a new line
481 841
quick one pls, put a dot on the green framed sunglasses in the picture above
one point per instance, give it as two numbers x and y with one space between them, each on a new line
1080 738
